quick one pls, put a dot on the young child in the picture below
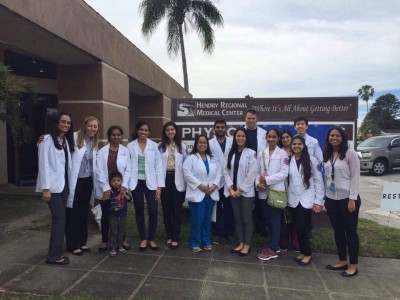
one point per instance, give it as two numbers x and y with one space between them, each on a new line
117 209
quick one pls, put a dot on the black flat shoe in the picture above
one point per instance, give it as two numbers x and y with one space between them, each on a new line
296 259
154 248
80 253
63 261
86 249
302 263
142 248
235 251
244 254
333 268
174 247
345 274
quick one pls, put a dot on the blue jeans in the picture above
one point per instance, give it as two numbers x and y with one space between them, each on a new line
273 219
200 221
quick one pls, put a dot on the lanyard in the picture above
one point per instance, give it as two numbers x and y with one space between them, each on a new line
333 161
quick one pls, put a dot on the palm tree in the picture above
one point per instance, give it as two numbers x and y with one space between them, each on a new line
199 14
365 92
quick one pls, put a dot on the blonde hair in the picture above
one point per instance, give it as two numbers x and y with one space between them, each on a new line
81 134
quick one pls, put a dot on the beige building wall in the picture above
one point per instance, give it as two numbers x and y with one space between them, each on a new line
94 90
156 110
3 143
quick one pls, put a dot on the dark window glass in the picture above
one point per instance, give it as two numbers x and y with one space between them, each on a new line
29 66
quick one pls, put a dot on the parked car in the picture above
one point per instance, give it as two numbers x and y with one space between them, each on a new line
379 154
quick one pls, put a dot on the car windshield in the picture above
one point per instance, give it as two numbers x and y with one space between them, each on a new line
375 142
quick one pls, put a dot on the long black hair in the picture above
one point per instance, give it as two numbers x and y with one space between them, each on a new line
69 135
305 161
343 147
235 145
177 138
139 124
196 140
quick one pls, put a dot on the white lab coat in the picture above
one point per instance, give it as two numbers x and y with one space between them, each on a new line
123 166
195 173
246 175
261 139
153 165
297 192
180 182
313 147
222 156
277 170
51 174
77 157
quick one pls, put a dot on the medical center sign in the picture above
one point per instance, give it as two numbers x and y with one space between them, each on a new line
210 109
271 109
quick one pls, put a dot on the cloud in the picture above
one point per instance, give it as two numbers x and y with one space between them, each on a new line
280 48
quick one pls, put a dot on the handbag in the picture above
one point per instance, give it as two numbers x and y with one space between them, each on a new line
277 199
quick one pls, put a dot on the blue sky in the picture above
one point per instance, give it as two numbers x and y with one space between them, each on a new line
281 48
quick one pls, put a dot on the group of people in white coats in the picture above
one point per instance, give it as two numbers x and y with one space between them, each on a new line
71 172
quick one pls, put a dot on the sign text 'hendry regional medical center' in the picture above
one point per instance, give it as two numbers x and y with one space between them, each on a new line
272 109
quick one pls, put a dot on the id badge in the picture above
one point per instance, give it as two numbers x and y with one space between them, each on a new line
332 186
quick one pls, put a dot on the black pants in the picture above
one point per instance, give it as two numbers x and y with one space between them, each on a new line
172 200
57 204
344 225
259 215
302 218
76 227
225 223
139 193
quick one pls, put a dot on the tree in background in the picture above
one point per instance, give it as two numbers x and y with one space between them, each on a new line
11 88
383 115
248 96
385 111
199 14
369 124
366 92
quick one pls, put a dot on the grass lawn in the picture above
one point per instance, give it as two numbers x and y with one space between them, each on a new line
375 240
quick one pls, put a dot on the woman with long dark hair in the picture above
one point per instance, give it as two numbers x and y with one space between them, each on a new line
173 153
146 182
271 174
53 181
342 202
240 173
111 158
305 195
287 228
202 173
83 178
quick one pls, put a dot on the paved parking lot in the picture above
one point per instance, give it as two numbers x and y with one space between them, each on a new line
370 193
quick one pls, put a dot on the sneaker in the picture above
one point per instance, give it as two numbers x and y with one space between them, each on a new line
278 251
121 250
216 240
282 249
267 254
208 248
196 249
295 249
113 252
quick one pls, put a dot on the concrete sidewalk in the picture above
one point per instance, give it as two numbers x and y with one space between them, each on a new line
182 274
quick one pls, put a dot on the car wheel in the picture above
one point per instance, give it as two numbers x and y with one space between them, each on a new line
380 167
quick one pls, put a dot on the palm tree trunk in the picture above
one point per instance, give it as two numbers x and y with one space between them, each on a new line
185 74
